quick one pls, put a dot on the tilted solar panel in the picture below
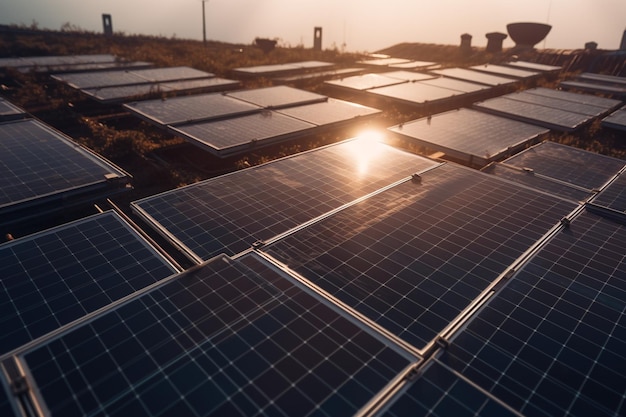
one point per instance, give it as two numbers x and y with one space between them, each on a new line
278 96
551 118
606 103
568 164
418 93
533 66
559 103
241 134
187 109
552 341
616 120
408 75
473 76
456 85
468 135
9 111
505 71
365 82
330 112
37 162
618 91
414 256
229 213
231 338
54 277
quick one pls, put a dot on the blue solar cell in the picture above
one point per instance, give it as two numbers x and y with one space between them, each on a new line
229 213
552 341
54 277
414 256
229 338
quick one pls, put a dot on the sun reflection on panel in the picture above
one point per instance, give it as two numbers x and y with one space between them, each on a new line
367 147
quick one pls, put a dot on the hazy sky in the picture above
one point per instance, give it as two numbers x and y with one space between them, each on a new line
364 25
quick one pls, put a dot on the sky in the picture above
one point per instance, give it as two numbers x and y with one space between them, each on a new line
360 25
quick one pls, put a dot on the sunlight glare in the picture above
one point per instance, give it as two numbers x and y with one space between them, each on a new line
367 148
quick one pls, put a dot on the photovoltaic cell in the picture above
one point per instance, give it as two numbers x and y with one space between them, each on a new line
279 69
418 93
616 120
330 112
539 182
473 76
602 78
413 257
229 213
552 342
556 102
469 135
319 75
37 162
440 392
413 65
614 195
408 75
54 277
456 85
278 96
365 82
568 164
167 74
187 109
505 71
240 134
551 118
229 338
384 62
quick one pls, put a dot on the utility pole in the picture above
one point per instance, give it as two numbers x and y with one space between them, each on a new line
203 24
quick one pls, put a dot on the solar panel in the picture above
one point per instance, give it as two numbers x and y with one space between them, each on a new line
616 120
602 78
9 111
533 66
330 112
539 182
54 277
188 109
319 75
614 195
94 66
229 338
278 96
384 62
6 408
228 214
132 92
417 94
552 341
456 85
38 164
167 74
505 71
439 392
558 103
470 136
603 102
473 76
45 61
413 65
414 256
365 82
590 87
568 164
408 75
241 134
277 69
551 118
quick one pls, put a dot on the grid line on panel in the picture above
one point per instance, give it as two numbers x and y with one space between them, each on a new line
228 214
415 256
36 161
558 101
54 277
552 342
614 195
277 96
602 102
251 342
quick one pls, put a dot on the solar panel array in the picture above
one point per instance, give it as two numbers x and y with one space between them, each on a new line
618 91
532 112
230 213
469 136
66 63
117 86
474 76
57 276
413 257
230 338
506 71
241 121
39 165
552 342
